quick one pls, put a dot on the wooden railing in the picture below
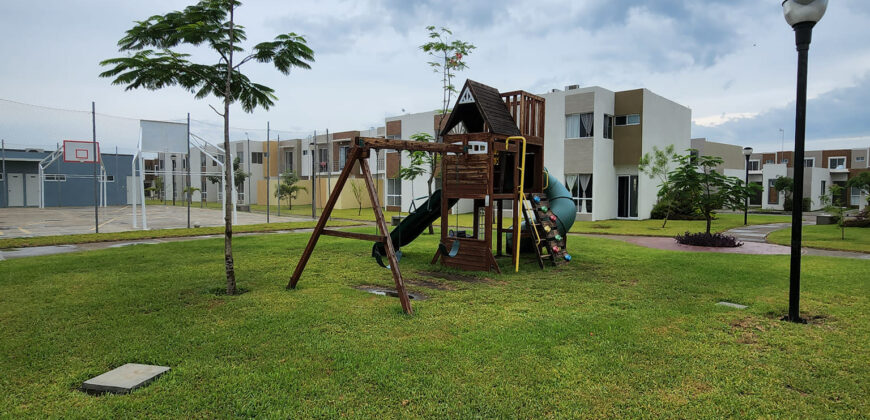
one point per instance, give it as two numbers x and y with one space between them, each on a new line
527 111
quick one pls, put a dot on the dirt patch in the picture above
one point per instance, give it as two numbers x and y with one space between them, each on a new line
429 284
747 329
214 303
597 226
459 277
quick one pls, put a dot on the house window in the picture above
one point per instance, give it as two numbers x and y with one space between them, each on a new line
580 186
394 192
173 164
768 161
55 178
1 176
608 126
784 161
824 187
160 164
753 165
288 160
631 119
837 163
342 156
109 178
859 158
324 159
257 158
809 162
393 137
578 125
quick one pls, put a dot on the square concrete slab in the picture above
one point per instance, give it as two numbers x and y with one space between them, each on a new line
732 305
124 379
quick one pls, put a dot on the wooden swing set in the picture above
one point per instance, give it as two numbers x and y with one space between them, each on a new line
359 154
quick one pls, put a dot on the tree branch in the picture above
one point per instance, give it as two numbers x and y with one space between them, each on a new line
215 110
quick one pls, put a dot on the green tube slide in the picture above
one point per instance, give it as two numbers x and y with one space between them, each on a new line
562 206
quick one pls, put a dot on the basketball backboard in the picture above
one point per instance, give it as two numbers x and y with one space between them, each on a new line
81 151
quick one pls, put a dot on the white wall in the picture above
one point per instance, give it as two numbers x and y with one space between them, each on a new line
664 122
421 122
604 187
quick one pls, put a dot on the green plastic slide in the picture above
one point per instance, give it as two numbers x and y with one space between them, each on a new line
413 224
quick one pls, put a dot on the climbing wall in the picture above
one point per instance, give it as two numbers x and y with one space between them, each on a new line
552 243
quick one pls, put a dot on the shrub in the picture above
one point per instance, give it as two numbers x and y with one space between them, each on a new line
705 239
679 211
862 219
808 204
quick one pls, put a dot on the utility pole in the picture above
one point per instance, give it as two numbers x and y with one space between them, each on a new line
248 194
187 159
313 178
5 179
268 171
96 163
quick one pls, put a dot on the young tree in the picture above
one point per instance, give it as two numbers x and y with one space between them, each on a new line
357 190
785 185
447 59
696 180
154 62
188 193
157 188
288 189
833 202
414 170
430 161
657 166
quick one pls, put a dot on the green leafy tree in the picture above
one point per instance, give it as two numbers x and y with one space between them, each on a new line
288 189
833 203
188 193
862 183
657 166
154 61
411 172
157 188
785 185
239 177
706 190
430 161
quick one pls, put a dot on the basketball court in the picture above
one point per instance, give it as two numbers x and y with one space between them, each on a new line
24 222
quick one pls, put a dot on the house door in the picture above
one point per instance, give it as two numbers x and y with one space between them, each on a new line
627 196
31 190
16 190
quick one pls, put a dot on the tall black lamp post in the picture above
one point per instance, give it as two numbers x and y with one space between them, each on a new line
747 151
802 15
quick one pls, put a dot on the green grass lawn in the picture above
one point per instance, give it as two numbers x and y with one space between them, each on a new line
87 238
621 331
723 222
826 237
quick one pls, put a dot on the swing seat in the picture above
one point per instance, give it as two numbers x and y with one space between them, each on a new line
380 257
454 249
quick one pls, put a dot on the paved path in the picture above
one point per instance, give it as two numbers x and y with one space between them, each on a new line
754 238
27 222
36 251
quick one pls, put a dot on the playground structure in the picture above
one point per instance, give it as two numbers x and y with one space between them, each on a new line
492 152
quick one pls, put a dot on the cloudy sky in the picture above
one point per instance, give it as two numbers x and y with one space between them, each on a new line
731 61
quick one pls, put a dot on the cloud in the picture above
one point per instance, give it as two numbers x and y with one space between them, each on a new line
836 118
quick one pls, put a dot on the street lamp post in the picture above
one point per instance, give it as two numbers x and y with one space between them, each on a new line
312 148
746 152
802 15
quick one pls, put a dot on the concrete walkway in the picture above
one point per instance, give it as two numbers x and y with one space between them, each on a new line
36 251
754 238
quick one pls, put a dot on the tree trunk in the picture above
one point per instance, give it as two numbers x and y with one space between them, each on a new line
228 170
709 221
428 203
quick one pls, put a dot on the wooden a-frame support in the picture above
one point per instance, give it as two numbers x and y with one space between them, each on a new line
360 153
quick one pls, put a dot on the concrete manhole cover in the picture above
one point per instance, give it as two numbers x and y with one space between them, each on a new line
383 291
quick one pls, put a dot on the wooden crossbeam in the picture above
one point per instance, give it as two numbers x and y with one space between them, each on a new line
381 143
353 235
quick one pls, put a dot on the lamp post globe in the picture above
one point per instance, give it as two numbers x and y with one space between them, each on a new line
802 16
747 151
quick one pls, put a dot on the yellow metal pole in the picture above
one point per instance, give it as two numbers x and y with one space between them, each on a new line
519 206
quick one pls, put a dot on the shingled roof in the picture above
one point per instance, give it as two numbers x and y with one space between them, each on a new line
486 106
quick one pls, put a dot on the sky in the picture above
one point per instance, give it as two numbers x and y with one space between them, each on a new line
733 62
